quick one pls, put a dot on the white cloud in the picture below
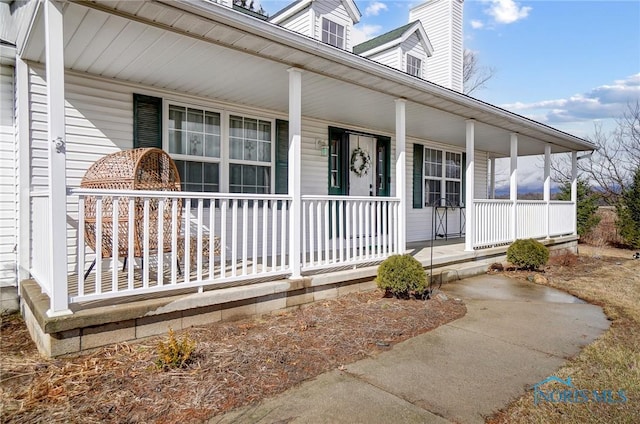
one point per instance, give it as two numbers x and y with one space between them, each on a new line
603 102
507 11
363 32
375 8
475 24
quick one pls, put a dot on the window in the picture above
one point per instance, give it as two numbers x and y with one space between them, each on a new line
249 155
194 143
414 66
332 33
432 176
437 177
453 174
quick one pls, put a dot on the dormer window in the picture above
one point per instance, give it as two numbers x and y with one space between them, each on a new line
332 33
414 66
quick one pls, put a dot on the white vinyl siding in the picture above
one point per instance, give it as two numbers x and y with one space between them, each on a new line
8 210
390 57
442 21
300 23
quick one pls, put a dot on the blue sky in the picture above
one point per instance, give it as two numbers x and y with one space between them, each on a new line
566 63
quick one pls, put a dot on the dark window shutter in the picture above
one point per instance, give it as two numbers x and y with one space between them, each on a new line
418 163
147 121
282 156
463 197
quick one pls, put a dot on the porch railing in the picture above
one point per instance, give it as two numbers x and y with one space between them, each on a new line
177 240
493 220
340 230
531 218
562 219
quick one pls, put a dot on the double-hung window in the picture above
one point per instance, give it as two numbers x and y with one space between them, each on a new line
432 177
194 143
453 178
332 33
414 66
249 155
437 177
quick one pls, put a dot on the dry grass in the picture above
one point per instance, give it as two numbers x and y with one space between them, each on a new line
234 364
605 233
610 278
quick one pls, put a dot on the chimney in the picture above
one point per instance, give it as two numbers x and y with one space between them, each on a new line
442 20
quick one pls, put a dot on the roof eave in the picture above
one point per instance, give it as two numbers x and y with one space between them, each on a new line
292 39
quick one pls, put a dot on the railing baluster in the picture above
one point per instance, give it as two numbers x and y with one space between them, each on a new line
327 246
234 237
223 238
130 242
174 241
98 282
200 241
186 271
254 239
212 238
265 232
283 236
81 245
334 234
115 227
274 233
145 249
245 233
160 268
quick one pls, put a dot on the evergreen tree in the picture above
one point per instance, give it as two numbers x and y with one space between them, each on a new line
587 205
628 209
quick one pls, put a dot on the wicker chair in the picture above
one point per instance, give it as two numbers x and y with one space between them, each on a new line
137 169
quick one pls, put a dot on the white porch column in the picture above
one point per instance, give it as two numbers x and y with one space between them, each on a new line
547 186
401 173
54 58
513 185
574 190
295 175
492 181
24 179
470 184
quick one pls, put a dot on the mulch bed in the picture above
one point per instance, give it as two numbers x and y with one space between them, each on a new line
234 364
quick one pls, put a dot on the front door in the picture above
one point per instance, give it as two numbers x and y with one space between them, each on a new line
345 179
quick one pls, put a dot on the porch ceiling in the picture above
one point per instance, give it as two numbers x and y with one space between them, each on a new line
206 50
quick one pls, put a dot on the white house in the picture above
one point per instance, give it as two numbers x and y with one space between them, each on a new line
306 162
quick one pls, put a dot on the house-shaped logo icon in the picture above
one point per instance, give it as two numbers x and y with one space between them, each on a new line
566 382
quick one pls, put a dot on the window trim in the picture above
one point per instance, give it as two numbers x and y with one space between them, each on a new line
224 160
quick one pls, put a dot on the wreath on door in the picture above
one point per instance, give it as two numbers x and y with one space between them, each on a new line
360 162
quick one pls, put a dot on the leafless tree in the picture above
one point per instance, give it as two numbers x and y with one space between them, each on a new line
474 76
613 164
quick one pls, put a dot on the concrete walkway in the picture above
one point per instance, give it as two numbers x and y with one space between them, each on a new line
514 335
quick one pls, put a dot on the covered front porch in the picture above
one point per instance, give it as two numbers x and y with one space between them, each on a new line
236 243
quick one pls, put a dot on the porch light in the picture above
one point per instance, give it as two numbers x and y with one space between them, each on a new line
323 146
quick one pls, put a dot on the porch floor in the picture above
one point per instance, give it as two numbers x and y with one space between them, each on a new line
108 321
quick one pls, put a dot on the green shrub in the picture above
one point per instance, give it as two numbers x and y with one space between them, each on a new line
527 254
174 353
628 209
402 276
